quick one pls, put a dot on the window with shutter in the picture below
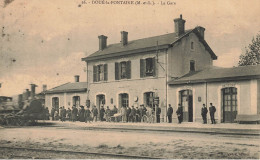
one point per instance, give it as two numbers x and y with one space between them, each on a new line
105 72
154 66
116 71
128 69
123 70
142 68
149 69
101 72
94 73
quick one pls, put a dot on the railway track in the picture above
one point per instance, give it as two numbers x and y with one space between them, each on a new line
82 153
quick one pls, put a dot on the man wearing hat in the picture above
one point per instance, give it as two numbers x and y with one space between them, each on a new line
102 113
212 110
158 112
95 113
204 112
179 113
169 113
74 113
82 114
108 114
143 111
138 117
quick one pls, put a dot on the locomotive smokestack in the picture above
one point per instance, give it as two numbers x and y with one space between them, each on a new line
26 94
33 86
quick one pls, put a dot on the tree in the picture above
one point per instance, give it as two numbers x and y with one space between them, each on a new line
252 55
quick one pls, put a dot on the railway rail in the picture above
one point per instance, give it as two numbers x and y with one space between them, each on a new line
96 154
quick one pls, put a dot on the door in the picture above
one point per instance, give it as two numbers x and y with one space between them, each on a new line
55 103
124 100
148 99
229 104
76 101
186 100
100 101
190 108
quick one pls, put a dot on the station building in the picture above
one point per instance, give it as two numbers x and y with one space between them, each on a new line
133 72
67 95
176 67
233 91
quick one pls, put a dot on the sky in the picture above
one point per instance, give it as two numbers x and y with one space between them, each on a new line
42 42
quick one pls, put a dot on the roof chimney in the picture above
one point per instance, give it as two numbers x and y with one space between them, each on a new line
44 87
179 26
102 42
124 38
76 78
201 30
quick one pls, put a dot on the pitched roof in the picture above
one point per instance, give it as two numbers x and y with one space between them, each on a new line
69 87
145 44
219 74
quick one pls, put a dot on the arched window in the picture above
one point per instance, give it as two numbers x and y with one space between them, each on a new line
76 101
123 100
148 98
55 103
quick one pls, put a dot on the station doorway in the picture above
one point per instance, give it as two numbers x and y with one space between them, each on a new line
100 101
186 100
229 101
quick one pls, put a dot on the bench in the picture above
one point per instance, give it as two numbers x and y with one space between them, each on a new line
243 118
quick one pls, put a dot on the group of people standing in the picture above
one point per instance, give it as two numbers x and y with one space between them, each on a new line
135 114
81 114
105 114
179 113
204 111
127 114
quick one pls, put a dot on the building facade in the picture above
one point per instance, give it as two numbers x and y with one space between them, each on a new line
178 69
233 91
131 73
67 95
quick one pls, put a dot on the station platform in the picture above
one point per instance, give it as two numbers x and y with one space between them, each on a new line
222 128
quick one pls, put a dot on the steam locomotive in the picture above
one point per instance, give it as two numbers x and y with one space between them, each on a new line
26 111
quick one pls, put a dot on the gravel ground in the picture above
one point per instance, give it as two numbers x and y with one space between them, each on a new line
158 144
20 154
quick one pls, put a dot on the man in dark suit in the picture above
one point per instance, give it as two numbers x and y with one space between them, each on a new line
179 113
138 113
142 112
102 113
169 113
132 115
95 113
74 113
204 112
128 111
81 114
158 112
212 110
52 113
